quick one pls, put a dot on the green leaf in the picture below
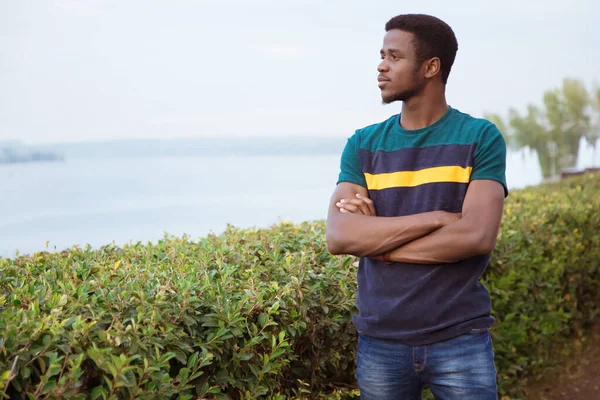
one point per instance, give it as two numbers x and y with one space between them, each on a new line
184 373
277 353
193 360
180 356
17 385
274 307
63 300
262 320
98 392
108 381
49 387
245 356
42 365
196 375
509 316
209 322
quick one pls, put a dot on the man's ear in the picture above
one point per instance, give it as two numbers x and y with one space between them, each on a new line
432 67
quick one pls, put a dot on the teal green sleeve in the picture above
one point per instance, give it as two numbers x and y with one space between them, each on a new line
350 170
490 157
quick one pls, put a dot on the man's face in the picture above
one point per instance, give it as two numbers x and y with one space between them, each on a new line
400 76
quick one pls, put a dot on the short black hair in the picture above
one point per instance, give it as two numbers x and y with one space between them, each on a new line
433 38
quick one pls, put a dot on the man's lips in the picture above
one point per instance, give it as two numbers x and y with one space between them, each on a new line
382 81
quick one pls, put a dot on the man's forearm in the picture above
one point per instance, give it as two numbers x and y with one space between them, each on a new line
452 243
365 236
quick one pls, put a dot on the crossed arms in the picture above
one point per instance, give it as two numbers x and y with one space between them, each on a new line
428 238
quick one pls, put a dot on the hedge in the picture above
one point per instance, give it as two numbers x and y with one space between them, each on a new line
266 313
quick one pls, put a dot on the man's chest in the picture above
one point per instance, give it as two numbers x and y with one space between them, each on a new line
418 179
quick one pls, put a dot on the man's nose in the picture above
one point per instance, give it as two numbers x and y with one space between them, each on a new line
383 66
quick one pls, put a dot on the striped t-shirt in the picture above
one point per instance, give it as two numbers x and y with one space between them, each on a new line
411 172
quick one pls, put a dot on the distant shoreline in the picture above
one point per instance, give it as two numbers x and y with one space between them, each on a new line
221 147
11 156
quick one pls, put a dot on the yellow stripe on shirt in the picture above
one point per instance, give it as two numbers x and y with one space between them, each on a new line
455 174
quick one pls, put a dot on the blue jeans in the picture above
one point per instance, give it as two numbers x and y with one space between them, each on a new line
459 368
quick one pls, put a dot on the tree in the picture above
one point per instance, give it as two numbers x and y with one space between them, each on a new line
555 131
593 135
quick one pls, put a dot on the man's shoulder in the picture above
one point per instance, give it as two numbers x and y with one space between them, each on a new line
472 123
475 129
375 129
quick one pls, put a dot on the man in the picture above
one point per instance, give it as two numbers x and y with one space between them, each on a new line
420 199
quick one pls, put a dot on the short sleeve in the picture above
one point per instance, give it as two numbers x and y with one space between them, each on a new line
350 170
490 157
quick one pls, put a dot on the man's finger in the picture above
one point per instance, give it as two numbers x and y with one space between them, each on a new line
369 203
362 205
364 208
348 207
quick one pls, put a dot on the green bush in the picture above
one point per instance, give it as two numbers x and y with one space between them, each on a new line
544 277
267 313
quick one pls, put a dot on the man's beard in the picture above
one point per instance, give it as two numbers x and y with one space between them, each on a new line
401 96
408 93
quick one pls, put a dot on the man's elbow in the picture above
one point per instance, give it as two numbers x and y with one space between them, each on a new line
334 248
335 244
485 243
339 241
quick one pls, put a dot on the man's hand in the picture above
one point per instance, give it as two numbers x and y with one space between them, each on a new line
364 205
448 218
359 232
360 204
477 230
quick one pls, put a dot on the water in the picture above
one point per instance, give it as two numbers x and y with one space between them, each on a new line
99 201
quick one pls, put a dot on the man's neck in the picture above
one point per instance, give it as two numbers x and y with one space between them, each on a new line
420 112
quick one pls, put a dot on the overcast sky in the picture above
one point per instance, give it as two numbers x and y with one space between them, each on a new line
79 70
